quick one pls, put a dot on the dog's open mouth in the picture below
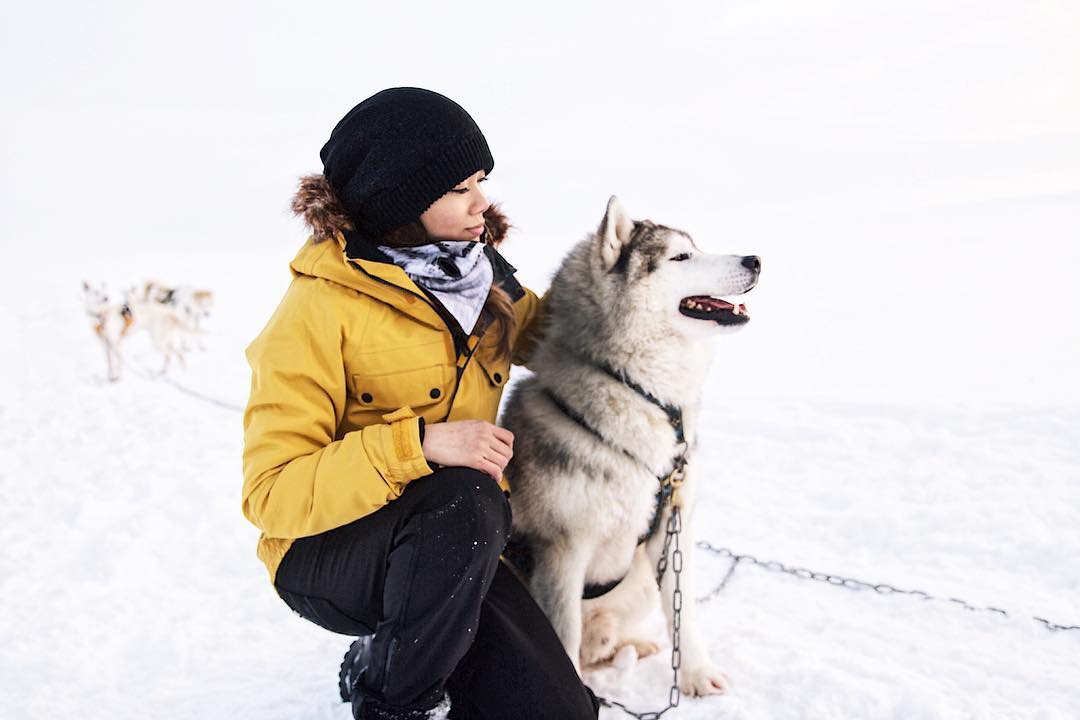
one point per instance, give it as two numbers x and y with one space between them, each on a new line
705 307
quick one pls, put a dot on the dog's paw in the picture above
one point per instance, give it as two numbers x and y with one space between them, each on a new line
625 658
705 679
644 648
599 638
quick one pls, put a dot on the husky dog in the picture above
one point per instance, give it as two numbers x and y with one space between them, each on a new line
169 327
111 323
610 411
170 316
194 304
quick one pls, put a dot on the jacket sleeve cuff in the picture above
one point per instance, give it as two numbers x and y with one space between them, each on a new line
406 460
423 425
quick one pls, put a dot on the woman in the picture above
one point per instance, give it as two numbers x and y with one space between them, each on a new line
372 464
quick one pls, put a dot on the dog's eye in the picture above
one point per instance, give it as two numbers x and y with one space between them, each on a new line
680 257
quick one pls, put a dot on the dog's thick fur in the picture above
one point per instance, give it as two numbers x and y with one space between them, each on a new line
193 305
111 323
579 502
169 328
171 316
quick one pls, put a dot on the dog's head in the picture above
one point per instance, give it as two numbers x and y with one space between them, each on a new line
197 305
95 299
659 271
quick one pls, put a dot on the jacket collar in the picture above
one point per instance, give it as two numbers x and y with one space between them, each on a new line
352 261
368 254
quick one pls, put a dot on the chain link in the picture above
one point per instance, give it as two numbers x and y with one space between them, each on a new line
674 526
671 535
840 581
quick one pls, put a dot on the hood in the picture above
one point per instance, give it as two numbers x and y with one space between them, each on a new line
334 252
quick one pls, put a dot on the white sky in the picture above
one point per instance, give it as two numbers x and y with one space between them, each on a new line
862 149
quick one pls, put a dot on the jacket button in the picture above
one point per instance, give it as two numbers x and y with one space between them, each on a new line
366 397
434 393
498 378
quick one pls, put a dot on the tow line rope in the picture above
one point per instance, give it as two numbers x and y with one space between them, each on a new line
188 391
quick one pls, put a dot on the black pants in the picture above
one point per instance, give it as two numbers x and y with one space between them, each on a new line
423 574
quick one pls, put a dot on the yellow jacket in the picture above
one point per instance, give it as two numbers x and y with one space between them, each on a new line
353 355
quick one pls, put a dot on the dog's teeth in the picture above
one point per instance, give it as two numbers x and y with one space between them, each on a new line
736 308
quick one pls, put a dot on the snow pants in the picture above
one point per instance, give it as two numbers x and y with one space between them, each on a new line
423 573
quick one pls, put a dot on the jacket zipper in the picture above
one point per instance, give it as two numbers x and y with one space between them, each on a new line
455 336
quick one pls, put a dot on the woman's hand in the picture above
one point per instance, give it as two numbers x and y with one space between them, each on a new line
469 443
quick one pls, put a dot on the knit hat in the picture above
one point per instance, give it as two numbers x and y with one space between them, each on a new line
397 152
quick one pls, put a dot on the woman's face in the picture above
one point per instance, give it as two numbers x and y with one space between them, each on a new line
459 214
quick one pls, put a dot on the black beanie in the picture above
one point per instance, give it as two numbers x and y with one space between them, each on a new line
397 152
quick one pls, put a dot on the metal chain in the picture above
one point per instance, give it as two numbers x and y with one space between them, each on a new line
674 527
840 581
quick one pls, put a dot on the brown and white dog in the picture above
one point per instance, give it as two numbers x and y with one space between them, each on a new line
171 316
193 304
112 320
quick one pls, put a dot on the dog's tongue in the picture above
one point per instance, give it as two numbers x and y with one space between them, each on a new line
714 303
709 303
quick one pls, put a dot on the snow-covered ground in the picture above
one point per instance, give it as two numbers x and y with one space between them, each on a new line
131 588
904 407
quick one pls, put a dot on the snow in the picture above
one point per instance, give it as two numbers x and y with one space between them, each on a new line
904 407
131 585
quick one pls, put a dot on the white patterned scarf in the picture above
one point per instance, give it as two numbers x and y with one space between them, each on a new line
458 272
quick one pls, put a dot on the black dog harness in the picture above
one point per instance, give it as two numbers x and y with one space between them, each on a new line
518 552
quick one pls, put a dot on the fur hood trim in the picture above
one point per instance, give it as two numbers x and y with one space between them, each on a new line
316 202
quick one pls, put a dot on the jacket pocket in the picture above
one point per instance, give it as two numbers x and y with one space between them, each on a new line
413 388
497 371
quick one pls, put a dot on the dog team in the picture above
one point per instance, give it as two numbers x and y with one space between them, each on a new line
172 316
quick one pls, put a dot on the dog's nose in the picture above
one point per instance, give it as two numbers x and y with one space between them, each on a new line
752 262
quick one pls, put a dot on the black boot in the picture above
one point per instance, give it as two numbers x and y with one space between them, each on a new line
353 665
371 709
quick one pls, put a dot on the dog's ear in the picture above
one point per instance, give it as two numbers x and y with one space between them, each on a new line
613 233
